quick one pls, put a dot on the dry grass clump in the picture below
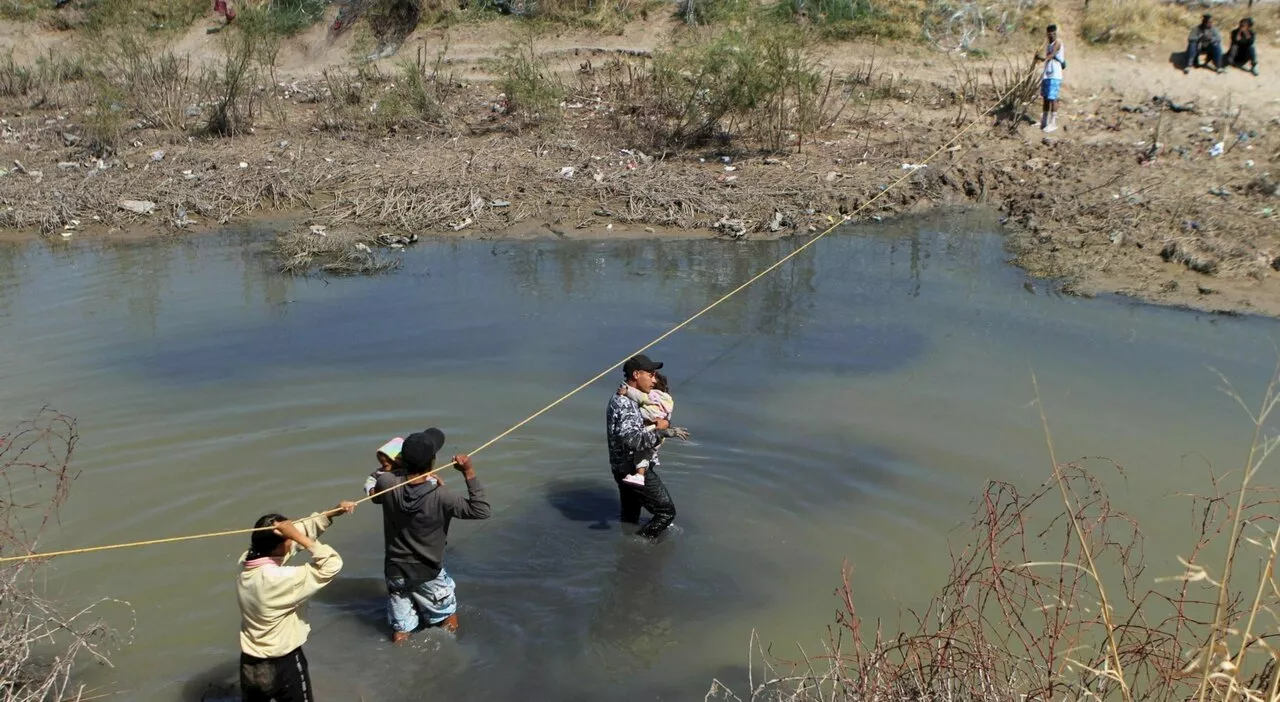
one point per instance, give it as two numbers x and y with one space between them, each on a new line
757 85
531 92
605 16
43 83
1132 21
365 98
961 24
40 644
849 19
145 78
1050 598
335 252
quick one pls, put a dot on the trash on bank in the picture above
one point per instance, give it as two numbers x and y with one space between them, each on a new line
143 207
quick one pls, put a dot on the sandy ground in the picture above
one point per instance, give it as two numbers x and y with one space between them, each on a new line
1090 204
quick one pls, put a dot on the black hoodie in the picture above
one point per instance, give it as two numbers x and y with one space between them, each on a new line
415 522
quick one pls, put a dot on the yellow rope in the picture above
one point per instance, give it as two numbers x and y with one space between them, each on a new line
567 395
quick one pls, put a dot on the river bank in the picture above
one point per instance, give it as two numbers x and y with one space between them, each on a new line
1127 197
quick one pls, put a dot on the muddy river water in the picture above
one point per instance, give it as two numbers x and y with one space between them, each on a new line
849 406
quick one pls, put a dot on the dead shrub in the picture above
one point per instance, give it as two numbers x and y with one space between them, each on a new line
1049 597
758 84
531 90
148 80
16 80
40 644
959 24
364 98
233 104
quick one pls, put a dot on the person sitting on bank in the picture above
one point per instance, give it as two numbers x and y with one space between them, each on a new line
1204 40
415 525
272 665
1242 49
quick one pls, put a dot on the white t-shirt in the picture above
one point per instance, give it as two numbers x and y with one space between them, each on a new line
1053 66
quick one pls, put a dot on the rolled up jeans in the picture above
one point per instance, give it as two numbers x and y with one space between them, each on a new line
408 602
1194 48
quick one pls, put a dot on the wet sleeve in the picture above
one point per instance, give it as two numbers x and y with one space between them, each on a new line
474 506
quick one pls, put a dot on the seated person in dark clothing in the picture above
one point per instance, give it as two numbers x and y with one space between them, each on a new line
1242 49
1204 40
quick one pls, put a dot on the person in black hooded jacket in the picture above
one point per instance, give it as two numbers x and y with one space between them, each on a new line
415 524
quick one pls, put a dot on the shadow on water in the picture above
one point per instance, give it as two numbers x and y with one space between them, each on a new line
221 683
584 500
362 600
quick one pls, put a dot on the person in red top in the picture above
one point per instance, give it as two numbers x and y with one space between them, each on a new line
222 8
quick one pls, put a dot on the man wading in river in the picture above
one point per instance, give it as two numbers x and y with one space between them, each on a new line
627 436
415 524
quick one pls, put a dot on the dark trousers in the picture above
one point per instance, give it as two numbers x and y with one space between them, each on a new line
1195 48
283 679
652 496
1240 55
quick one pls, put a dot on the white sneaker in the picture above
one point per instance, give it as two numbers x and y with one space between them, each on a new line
634 479
1051 127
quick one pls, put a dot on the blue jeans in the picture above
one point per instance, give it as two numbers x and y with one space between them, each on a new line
1195 48
408 602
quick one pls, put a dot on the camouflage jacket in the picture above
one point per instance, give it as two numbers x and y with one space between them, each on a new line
627 436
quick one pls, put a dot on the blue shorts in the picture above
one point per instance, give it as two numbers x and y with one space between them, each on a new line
409 603
1049 88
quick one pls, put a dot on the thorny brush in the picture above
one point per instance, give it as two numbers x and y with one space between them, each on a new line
1050 597
40 641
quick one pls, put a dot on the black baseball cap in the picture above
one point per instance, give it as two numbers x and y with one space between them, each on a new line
420 449
640 362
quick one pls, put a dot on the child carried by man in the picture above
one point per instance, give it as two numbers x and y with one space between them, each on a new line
388 456
654 405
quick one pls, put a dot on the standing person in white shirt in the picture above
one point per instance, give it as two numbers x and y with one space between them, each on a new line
1055 60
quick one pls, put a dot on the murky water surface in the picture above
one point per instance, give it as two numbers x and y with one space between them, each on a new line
850 406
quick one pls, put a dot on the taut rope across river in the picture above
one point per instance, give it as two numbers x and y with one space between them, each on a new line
777 264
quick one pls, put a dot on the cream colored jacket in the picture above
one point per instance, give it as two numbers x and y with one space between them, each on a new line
271 596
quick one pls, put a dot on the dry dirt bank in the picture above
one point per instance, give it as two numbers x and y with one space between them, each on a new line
1127 197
